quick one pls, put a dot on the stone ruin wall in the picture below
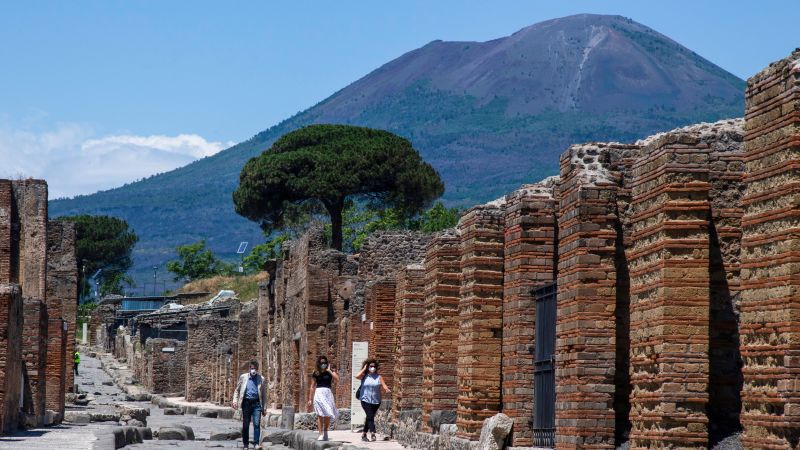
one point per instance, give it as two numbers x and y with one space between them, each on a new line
769 291
674 263
38 300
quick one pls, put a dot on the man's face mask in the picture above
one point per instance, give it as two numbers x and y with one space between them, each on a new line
252 372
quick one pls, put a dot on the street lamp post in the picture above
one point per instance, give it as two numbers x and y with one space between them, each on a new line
155 279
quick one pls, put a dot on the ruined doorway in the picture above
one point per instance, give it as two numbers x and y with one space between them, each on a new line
544 376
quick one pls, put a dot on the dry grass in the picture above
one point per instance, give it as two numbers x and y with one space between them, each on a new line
246 287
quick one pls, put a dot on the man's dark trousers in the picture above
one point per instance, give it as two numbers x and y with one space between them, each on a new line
251 410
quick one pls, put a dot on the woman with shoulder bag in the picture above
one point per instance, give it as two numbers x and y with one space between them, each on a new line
370 394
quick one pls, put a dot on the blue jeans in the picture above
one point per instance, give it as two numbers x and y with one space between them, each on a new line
251 410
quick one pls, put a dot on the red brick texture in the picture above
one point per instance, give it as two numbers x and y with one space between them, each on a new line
10 355
770 297
480 313
530 260
408 325
586 356
669 269
440 345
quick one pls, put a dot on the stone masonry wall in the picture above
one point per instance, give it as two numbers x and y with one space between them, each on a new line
34 353
10 355
208 340
165 366
62 294
770 262
480 313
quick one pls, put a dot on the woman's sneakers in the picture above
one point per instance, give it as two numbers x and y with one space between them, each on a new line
373 437
322 437
364 437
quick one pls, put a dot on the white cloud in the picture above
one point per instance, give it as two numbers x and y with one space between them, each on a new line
75 161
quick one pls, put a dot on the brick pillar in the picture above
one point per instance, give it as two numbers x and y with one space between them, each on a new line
530 260
6 196
34 353
30 199
586 354
407 391
380 297
10 355
62 293
440 345
669 269
770 300
480 313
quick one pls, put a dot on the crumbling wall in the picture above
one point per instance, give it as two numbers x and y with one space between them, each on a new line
34 353
770 298
248 336
380 295
166 359
480 313
62 306
208 346
10 355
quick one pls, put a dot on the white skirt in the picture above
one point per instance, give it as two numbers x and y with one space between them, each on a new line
324 405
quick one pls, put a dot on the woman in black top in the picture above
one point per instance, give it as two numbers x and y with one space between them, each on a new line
321 396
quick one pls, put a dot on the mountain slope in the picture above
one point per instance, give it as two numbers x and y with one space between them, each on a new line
488 115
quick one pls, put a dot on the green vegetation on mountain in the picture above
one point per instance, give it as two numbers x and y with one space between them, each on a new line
488 116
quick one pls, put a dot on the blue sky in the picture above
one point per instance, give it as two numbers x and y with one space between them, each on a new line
149 86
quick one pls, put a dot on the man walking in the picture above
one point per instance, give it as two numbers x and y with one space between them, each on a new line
76 359
251 396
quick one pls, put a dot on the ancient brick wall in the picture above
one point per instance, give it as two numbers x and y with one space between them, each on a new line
529 261
669 269
34 353
248 336
10 355
165 368
6 214
770 298
209 343
480 313
588 302
380 298
408 326
62 293
29 242
440 345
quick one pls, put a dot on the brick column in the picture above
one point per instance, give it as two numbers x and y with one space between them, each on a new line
440 345
407 391
380 296
480 312
669 269
34 353
586 331
530 260
770 300
10 355
62 294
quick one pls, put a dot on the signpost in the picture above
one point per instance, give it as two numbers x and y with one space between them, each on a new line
240 251
357 414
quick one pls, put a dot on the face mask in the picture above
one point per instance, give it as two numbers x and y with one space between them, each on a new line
324 365
252 372
372 370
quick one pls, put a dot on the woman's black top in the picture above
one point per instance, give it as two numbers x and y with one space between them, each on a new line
323 380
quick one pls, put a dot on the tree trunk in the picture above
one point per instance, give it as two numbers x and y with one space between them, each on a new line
335 211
